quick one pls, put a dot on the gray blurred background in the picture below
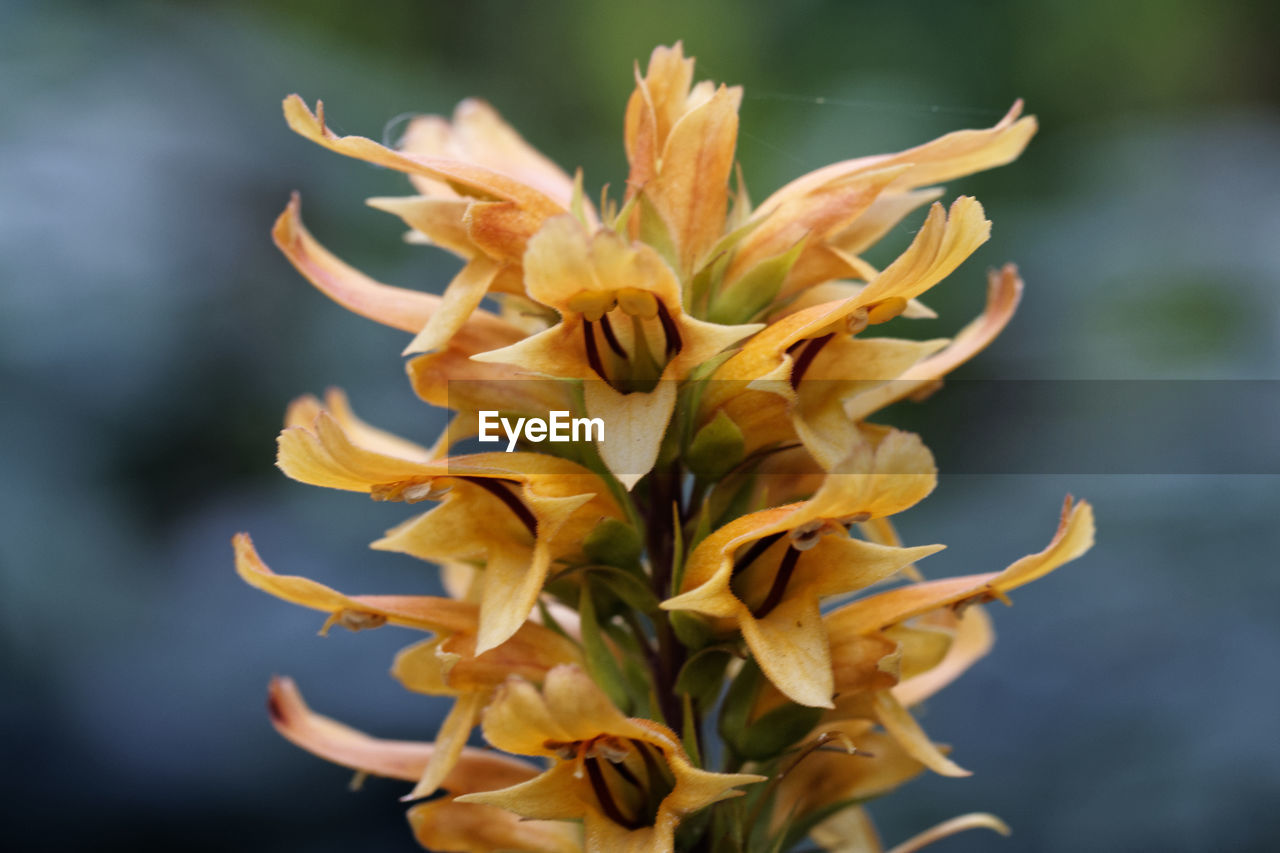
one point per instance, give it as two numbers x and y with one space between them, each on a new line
150 337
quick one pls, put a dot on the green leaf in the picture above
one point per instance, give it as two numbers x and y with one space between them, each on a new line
736 709
601 664
716 448
690 730
627 588
777 730
770 735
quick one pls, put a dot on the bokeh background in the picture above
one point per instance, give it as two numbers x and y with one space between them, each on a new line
150 337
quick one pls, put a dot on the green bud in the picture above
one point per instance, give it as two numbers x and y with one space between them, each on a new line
716 448
613 543
691 629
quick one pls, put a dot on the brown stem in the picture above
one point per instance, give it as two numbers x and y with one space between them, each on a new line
661 546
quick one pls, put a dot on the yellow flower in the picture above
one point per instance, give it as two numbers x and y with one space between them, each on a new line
622 328
767 571
627 779
795 378
447 665
837 211
934 641
444 824
680 141
487 194
517 512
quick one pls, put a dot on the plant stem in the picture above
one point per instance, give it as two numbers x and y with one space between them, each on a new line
663 486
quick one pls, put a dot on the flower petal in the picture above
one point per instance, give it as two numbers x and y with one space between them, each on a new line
634 426
898 722
449 825
476 770
467 178
1004 289
1073 538
407 310
460 300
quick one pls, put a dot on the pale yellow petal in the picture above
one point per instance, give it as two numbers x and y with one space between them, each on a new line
550 796
944 242
461 299
973 639
880 217
634 426
790 644
448 825
439 220
407 310
1004 289
960 153
450 740
423 612
976 820
467 178
691 188
847 831
898 722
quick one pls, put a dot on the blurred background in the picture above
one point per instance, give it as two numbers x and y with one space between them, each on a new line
150 337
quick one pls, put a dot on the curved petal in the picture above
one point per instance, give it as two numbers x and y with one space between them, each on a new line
476 769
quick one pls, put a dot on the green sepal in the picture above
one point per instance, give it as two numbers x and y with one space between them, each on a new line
577 204
655 232
702 675
755 290
772 733
716 448
795 830
614 543
692 630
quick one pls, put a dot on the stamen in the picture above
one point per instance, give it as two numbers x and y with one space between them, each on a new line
808 534
427 491
669 330
757 548
780 582
651 767
807 355
625 772
498 489
605 796
610 337
593 352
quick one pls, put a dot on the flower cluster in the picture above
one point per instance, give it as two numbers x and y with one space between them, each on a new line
698 629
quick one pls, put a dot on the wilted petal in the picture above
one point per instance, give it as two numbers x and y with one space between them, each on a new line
975 820
1073 538
476 770
960 153
898 722
407 310
1004 289
467 178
